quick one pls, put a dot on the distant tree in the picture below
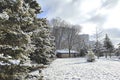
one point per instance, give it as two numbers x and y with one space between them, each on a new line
98 49
108 46
82 46
72 33
117 51
65 33
97 43
58 30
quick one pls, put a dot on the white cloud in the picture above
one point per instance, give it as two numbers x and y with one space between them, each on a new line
89 28
90 5
88 13
113 20
74 11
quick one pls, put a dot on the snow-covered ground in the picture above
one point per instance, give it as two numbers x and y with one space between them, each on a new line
79 69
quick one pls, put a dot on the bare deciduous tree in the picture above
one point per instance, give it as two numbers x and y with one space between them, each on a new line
58 31
97 44
65 34
72 33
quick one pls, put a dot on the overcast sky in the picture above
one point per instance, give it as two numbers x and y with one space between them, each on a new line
104 14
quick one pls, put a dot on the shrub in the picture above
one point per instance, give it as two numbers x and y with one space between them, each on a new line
90 56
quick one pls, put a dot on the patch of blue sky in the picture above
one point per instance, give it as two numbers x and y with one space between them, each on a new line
43 14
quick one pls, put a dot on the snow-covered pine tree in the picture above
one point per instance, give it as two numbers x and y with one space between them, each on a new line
97 49
18 23
108 46
44 43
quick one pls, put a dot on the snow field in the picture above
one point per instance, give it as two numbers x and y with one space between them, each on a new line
79 69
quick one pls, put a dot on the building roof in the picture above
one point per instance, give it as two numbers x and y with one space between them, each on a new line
66 51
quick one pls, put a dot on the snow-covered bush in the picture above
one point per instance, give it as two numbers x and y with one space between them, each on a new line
90 56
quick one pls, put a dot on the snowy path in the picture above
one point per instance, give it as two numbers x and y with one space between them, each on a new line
79 69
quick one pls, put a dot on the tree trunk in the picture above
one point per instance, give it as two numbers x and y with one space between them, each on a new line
97 55
69 53
105 55
110 54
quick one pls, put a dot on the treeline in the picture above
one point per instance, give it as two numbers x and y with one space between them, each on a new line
104 49
67 36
